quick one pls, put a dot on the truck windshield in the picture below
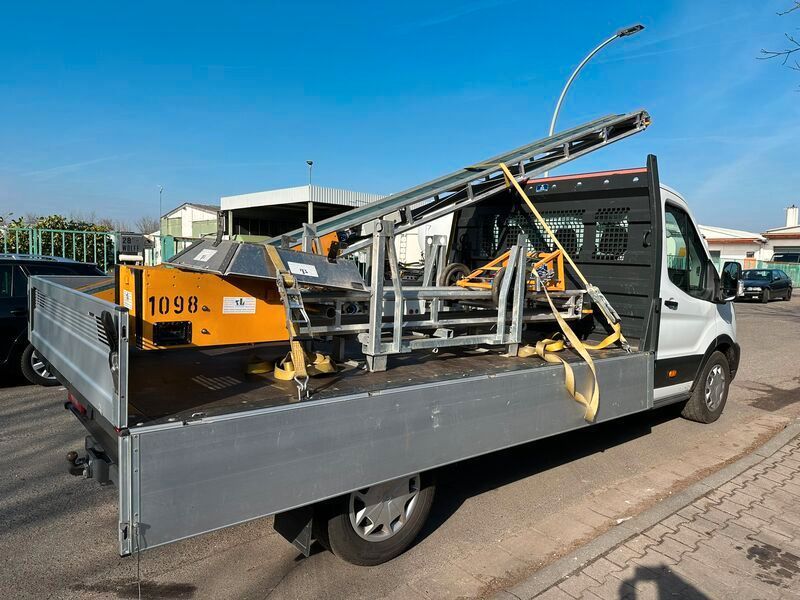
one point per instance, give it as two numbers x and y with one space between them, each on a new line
754 274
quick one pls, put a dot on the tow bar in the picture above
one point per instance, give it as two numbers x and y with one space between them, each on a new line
94 464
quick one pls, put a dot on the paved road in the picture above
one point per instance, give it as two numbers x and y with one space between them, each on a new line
739 540
496 519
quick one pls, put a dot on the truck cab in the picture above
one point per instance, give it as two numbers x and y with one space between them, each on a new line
693 322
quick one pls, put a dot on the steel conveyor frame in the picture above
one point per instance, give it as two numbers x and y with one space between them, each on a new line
447 194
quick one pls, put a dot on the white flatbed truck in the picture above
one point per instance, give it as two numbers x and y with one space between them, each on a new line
193 445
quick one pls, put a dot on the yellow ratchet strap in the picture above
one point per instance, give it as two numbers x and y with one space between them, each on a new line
259 366
546 350
616 334
318 365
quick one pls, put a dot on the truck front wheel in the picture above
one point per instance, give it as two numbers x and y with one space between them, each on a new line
375 524
710 391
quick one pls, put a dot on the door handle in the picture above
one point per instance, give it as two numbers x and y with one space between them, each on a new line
671 303
19 312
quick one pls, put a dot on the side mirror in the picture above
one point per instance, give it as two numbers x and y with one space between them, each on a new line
731 276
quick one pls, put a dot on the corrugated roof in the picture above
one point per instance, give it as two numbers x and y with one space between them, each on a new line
785 229
293 195
206 207
720 233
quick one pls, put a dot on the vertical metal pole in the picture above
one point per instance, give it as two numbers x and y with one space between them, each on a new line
310 164
375 361
518 298
505 286
399 308
440 248
429 262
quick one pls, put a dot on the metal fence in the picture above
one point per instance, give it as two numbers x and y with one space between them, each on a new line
97 247
165 247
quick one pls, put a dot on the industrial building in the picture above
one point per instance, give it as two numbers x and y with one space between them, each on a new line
190 220
261 215
747 247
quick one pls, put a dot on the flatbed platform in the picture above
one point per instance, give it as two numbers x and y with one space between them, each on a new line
180 385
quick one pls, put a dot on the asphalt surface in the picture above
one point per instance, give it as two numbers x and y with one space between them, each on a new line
58 532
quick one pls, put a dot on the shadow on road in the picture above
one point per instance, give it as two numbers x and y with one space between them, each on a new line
667 583
769 397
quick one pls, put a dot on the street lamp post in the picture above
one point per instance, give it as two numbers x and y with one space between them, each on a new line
160 209
310 164
624 32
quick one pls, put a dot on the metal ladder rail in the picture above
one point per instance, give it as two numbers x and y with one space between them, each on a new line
451 192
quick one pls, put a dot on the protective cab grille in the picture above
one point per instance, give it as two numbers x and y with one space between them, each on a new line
611 234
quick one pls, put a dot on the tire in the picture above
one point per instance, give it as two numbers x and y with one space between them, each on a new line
338 529
497 283
764 296
452 273
710 392
788 295
35 369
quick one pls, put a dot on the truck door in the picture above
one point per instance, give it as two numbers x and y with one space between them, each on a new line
688 315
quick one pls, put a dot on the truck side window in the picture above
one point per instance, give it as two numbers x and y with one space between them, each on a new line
686 257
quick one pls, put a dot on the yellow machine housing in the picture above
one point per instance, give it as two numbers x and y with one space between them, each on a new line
171 308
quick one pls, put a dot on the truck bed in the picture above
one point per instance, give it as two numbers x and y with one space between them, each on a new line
179 385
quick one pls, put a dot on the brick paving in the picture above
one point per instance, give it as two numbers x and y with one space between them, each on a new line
739 541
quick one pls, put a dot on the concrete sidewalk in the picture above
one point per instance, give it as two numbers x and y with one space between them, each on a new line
734 535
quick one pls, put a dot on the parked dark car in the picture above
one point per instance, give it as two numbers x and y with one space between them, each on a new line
766 284
16 353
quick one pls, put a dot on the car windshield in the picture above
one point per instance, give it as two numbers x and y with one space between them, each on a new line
757 274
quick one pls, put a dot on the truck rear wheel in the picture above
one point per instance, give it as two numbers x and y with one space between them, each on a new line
375 524
710 391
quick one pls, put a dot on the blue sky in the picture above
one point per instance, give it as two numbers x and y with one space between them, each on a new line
102 103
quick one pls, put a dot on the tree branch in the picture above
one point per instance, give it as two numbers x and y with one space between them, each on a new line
786 54
788 10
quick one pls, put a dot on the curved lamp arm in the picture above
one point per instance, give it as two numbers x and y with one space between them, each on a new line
624 32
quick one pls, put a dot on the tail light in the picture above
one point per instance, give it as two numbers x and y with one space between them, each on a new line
74 401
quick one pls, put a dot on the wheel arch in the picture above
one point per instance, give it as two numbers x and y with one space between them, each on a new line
725 344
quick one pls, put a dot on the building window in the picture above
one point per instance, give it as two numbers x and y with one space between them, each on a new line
750 254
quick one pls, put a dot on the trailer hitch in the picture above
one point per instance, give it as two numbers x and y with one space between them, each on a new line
92 465
78 465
